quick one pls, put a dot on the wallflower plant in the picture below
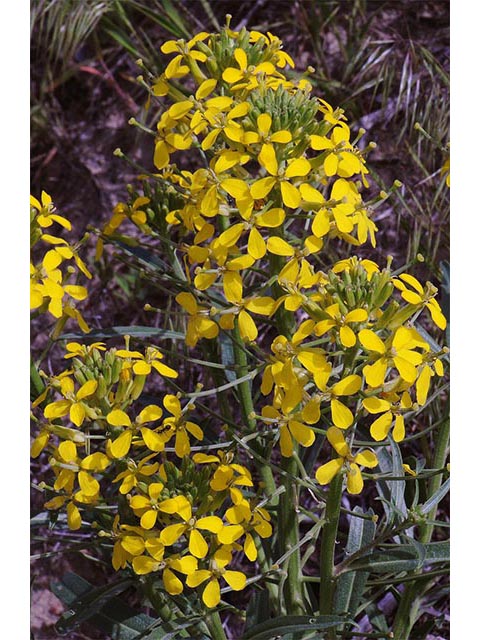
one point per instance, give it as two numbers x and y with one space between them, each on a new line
321 369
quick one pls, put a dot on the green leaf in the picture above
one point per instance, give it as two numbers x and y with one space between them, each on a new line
279 627
393 492
350 586
134 332
228 356
436 498
437 552
85 600
258 608
402 557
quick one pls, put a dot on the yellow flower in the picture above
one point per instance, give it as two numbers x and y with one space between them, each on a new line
229 270
226 123
211 594
246 75
200 325
341 158
46 212
190 526
185 51
398 351
390 405
143 364
263 305
263 135
419 295
341 323
284 371
73 403
292 426
295 168
77 350
185 565
121 445
244 521
328 471
148 509
342 417
134 471
178 424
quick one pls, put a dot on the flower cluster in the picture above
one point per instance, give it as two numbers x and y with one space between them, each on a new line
50 277
112 462
282 177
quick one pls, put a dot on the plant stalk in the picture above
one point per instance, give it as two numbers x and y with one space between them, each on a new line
410 602
289 538
215 626
327 549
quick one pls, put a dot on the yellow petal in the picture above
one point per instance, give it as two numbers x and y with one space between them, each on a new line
398 432
375 373
342 417
211 593
172 584
233 286
347 337
354 479
366 458
376 405
248 329
77 413
371 341
197 545
153 441
328 471
118 418
279 247
290 194
268 159
261 188
348 386
256 245
87 389
338 442
235 579
121 446
381 426
271 218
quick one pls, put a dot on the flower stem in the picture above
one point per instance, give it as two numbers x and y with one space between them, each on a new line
246 405
410 602
289 537
215 626
327 548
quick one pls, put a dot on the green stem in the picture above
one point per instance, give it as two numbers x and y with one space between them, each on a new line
411 599
37 384
439 461
327 548
246 405
215 626
289 538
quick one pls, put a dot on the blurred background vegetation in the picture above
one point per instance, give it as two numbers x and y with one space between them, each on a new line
385 62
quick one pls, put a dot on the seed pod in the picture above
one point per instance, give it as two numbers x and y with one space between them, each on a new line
101 391
381 295
137 387
116 370
352 300
97 358
80 375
